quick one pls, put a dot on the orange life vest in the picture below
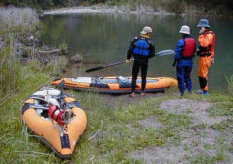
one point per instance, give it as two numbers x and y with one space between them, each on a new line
207 42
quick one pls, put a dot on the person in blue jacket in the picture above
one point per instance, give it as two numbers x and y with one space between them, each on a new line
141 49
185 51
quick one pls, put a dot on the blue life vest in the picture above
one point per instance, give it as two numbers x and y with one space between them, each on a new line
141 47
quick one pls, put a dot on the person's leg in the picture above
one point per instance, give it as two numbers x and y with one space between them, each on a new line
203 84
135 71
180 78
203 70
187 77
144 68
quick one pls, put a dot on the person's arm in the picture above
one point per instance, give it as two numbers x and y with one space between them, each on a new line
131 47
178 50
152 50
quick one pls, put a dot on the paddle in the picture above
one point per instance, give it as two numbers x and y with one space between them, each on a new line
160 53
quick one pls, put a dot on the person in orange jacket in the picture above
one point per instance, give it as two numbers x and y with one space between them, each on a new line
206 53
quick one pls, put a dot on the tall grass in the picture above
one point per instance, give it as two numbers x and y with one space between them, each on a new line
15 24
10 71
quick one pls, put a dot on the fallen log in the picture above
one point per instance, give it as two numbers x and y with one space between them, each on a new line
49 51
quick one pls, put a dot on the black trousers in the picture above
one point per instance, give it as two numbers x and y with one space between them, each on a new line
139 65
203 83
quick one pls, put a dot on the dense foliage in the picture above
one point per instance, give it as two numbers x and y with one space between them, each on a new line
206 4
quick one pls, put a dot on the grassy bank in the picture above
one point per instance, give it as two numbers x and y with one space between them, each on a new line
117 128
18 80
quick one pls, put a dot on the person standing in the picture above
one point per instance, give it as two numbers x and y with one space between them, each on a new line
141 49
185 51
206 53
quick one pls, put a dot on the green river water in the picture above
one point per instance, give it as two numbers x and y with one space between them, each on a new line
104 38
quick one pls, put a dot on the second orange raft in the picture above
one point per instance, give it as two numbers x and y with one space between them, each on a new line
56 119
115 84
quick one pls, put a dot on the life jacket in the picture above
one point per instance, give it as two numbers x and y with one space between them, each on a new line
141 47
189 48
207 45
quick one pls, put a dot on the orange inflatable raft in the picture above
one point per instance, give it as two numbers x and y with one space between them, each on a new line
56 118
115 85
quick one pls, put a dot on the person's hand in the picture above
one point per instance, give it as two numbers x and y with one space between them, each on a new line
128 60
202 30
174 63
212 60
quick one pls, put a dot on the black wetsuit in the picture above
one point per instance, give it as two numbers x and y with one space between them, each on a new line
140 62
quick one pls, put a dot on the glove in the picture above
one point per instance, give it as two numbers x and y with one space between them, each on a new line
127 61
212 60
174 63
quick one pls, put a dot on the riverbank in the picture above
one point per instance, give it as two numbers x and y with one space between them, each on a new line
140 9
103 9
156 128
196 8
23 55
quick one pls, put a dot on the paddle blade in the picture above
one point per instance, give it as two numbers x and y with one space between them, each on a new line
94 69
165 52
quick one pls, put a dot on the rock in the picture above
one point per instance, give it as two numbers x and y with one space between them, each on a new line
76 59
1 43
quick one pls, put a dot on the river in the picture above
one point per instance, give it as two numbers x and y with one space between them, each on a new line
104 38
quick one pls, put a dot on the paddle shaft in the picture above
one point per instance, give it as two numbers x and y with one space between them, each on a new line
160 53
102 67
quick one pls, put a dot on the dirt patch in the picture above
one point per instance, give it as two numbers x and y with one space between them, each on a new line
198 110
160 155
199 139
150 122
181 106
199 136
193 142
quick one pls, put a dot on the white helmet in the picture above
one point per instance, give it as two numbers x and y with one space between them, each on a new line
185 30
146 30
